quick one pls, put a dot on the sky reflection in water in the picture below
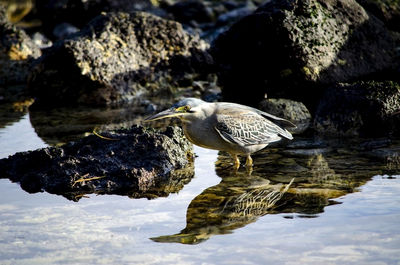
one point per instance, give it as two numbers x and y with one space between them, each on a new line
43 228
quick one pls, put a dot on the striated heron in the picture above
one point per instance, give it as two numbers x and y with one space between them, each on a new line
230 127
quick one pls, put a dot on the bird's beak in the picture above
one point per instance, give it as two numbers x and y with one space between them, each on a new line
172 112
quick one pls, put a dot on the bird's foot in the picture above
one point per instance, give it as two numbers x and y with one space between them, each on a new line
249 165
249 161
236 161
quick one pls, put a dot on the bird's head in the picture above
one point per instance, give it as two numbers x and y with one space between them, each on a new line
183 109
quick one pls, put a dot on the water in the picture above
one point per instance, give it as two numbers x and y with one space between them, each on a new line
350 224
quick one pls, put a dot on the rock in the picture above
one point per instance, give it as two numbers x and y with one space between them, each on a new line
236 13
192 10
116 57
135 161
226 19
16 52
294 111
292 48
80 12
360 109
386 10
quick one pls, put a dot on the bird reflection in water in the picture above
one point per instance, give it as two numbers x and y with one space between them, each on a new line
235 202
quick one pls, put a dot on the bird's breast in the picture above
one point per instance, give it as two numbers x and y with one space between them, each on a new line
200 135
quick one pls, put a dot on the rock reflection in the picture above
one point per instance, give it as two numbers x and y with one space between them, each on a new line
61 125
299 180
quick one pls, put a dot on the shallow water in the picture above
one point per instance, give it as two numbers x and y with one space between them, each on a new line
218 216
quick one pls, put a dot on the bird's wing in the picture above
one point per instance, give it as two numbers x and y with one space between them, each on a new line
245 128
282 122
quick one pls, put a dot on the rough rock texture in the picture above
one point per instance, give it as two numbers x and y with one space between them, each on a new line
16 52
291 110
287 48
360 109
135 162
116 57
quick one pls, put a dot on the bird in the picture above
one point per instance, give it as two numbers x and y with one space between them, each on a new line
231 127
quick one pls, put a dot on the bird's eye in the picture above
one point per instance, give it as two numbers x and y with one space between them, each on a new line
183 109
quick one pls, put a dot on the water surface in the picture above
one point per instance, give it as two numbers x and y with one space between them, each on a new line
351 224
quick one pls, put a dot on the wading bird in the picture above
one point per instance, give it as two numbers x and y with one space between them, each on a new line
230 127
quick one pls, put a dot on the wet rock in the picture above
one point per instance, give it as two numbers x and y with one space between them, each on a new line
294 111
291 48
386 10
16 53
136 161
360 109
116 57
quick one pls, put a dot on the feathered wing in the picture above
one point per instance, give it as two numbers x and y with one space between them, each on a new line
246 127
282 122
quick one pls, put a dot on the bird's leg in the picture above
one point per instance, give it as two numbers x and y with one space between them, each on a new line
249 161
236 161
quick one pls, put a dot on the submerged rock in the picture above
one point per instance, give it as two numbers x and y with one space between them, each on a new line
136 162
291 48
116 57
360 109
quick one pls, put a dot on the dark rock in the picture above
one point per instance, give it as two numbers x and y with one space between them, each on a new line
226 19
79 12
291 48
16 53
360 109
117 57
386 10
192 10
135 161
236 13
294 111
